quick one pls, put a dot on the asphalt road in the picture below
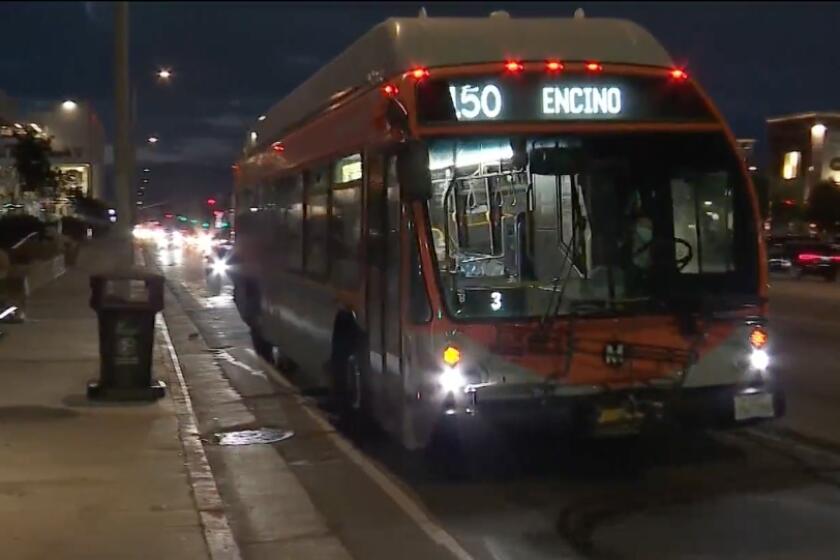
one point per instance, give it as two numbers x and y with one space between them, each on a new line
755 493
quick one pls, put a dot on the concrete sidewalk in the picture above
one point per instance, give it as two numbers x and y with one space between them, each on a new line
78 479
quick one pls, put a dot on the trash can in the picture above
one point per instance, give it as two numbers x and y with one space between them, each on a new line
126 304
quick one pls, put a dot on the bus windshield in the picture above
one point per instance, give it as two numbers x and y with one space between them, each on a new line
517 223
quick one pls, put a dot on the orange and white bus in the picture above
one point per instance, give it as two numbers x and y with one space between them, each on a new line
484 220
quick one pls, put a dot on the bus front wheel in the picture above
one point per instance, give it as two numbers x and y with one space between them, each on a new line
349 392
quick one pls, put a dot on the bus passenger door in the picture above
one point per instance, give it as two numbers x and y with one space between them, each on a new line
382 290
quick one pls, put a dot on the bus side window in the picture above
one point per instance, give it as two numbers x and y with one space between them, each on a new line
290 207
419 309
346 222
317 195
393 331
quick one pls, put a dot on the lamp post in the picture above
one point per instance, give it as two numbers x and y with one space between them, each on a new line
123 150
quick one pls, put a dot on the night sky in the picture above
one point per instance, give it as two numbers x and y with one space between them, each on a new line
234 60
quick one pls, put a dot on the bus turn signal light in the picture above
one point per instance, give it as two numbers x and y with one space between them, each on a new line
758 338
451 356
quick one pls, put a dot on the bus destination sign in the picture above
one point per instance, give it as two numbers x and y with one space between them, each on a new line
567 98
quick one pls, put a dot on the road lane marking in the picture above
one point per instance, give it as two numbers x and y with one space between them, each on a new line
217 531
405 502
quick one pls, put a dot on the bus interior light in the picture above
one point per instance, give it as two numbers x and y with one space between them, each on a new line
594 66
679 74
514 66
554 66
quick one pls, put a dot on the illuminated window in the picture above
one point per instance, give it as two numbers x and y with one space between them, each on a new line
348 169
790 165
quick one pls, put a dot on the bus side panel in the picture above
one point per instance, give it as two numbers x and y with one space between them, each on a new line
297 315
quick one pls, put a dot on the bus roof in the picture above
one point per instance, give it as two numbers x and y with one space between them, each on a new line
399 44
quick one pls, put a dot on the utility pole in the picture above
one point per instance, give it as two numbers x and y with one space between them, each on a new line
123 148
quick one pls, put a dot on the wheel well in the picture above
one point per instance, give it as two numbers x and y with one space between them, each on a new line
247 298
346 333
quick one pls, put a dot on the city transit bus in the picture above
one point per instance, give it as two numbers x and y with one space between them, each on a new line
497 220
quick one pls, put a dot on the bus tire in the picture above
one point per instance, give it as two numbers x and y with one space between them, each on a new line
350 376
262 347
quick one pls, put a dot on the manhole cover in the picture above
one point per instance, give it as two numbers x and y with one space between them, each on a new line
250 437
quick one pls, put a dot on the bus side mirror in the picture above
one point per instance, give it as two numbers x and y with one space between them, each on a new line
413 171
396 115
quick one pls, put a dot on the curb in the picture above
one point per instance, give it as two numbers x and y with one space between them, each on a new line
217 532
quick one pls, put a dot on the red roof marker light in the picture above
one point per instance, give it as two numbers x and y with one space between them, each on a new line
679 74
419 73
390 90
594 66
278 147
514 66
554 66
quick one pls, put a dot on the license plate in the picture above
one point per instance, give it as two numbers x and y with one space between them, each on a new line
616 416
756 405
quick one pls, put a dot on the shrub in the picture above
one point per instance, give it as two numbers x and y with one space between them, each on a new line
14 227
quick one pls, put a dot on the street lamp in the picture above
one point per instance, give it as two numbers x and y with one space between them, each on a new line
69 105
153 140
164 74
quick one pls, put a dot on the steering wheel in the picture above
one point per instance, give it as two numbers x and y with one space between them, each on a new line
681 263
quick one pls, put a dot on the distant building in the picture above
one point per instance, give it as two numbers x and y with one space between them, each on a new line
8 175
78 144
804 150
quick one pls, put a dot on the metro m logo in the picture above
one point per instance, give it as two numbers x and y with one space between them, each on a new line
614 354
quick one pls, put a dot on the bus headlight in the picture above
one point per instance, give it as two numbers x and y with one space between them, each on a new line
759 359
451 379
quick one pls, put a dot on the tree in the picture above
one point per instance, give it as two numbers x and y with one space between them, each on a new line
32 162
824 205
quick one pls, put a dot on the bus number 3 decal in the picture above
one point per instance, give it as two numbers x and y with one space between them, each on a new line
474 101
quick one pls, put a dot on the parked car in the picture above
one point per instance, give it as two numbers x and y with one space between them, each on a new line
801 258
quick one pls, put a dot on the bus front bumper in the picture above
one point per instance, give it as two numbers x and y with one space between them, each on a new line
604 412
